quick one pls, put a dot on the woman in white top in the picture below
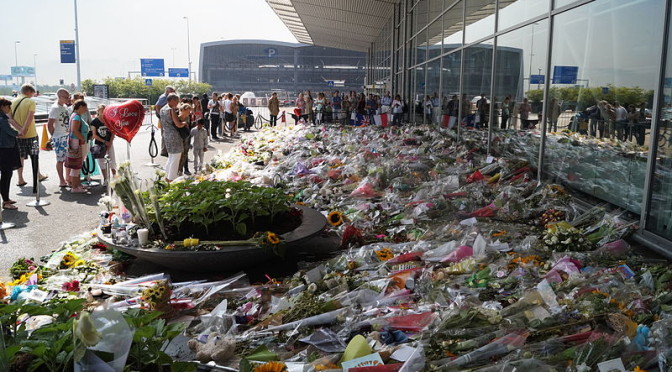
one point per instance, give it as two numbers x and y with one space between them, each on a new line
229 115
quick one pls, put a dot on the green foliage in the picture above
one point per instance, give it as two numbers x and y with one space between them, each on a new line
206 203
52 345
152 336
136 88
585 97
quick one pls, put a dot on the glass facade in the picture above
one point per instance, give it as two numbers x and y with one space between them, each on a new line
589 81
263 66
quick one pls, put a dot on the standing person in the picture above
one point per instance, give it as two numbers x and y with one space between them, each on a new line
641 124
632 121
229 113
184 114
215 110
621 121
200 136
9 151
23 111
197 110
309 107
102 145
453 111
274 108
336 105
234 106
436 108
371 107
301 104
506 112
524 110
320 106
59 128
79 133
171 136
427 109
483 108
160 103
385 103
346 108
554 115
397 110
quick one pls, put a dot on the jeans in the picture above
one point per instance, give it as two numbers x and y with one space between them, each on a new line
396 119
198 159
274 120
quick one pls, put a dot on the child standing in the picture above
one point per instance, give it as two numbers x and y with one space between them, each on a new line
200 136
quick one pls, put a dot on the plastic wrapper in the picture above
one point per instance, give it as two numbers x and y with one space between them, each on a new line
497 348
116 338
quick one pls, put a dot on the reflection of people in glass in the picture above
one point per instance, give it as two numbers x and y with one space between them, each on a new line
554 115
594 118
641 124
483 108
427 104
524 111
633 116
506 112
621 121
605 125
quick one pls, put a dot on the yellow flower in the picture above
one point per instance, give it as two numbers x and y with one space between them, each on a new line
272 238
271 367
384 254
69 259
335 218
637 369
79 263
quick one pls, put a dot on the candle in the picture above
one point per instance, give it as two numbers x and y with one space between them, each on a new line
143 236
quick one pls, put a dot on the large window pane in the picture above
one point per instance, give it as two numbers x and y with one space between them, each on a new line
450 85
660 213
516 11
520 55
606 55
476 82
480 19
452 27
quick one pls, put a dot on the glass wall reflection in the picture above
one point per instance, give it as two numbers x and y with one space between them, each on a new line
659 220
476 85
513 12
605 60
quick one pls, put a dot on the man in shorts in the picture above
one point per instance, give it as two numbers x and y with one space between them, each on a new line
59 128
23 109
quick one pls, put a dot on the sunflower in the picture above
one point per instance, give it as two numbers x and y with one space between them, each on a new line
271 367
335 218
272 238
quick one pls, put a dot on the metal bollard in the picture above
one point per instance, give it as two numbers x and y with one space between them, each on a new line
37 202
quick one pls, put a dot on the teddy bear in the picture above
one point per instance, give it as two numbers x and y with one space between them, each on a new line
218 348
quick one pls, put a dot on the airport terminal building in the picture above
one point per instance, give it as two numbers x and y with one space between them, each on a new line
262 66
573 53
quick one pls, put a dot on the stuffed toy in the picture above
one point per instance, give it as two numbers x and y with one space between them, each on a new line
218 348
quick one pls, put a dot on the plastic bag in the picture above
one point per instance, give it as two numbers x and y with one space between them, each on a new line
116 339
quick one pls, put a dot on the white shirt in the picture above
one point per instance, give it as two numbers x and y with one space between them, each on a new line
621 113
61 114
214 106
397 107
227 106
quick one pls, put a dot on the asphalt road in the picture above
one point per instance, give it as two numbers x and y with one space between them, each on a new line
40 230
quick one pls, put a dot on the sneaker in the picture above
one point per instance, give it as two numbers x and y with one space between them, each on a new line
186 172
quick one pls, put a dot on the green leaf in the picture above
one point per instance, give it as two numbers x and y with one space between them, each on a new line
183 367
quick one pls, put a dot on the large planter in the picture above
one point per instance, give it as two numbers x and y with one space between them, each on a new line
228 258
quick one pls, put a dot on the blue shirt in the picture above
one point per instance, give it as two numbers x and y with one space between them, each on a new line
336 102
83 127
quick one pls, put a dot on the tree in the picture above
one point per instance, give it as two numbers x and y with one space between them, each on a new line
136 88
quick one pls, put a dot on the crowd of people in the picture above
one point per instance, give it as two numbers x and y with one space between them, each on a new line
74 134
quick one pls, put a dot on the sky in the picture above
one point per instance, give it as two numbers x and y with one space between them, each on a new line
115 34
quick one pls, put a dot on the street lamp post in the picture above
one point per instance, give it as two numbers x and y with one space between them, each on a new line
35 69
79 74
16 58
188 48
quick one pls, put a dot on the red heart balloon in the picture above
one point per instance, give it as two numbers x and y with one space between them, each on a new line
124 120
